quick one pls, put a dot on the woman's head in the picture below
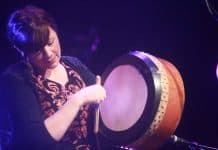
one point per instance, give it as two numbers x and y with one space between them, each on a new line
34 34
28 29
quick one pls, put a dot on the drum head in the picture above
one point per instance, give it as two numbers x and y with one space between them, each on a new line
132 98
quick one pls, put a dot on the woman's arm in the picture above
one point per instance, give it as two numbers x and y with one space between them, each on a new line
58 123
29 126
25 114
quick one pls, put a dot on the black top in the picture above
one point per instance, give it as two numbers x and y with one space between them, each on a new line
18 92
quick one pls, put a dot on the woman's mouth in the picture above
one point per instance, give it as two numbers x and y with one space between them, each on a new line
51 60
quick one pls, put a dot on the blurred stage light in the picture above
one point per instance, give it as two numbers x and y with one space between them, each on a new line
217 71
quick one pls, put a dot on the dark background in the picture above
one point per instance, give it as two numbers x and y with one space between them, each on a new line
182 32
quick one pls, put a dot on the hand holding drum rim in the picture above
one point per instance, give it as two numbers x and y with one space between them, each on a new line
93 93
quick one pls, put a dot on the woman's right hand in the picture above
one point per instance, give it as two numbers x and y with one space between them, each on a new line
93 93
58 123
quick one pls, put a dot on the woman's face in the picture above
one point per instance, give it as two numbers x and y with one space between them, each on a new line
49 56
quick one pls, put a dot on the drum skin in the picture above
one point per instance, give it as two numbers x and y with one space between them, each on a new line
145 100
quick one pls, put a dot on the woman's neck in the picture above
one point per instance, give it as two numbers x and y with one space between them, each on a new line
57 74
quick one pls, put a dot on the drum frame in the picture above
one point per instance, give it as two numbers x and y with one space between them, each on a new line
150 75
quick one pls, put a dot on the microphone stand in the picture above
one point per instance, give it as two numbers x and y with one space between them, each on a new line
192 145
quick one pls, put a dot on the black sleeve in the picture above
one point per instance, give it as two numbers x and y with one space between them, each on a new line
27 122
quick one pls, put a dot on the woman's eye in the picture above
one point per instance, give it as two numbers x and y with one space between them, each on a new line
50 42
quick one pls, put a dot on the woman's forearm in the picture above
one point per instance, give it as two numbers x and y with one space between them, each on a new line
58 123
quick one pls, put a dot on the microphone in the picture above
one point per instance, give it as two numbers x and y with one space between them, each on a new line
176 139
191 145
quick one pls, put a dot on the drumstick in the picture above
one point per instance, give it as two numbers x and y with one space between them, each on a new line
96 126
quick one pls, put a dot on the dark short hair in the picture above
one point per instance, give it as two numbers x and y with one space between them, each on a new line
28 28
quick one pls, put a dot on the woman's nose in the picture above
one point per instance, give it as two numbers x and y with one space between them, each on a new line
47 51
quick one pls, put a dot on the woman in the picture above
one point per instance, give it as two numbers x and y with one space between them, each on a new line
51 99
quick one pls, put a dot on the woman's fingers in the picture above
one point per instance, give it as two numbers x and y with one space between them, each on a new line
93 93
98 80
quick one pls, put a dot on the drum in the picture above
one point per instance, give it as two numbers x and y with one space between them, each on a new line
145 100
